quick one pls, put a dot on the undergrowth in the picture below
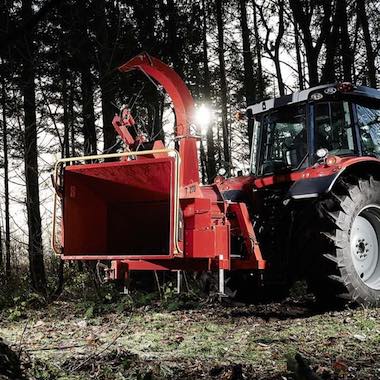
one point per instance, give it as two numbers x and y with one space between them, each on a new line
90 298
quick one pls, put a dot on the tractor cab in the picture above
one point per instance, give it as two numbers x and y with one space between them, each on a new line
296 131
315 164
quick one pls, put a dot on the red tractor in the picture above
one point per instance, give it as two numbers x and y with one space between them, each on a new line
309 209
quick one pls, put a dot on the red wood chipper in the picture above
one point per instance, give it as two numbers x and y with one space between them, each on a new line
310 208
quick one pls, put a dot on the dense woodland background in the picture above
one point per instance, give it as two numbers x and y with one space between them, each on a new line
60 87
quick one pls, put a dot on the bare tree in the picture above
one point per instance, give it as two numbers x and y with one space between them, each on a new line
301 79
249 78
36 261
273 49
304 12
223 83
210 162
259 72
6 175
363 19
105 52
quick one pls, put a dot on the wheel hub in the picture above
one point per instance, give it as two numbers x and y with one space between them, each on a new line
364 239
362 249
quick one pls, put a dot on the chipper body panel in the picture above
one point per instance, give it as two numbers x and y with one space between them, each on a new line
119 209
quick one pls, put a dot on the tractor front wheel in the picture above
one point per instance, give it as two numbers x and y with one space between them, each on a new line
347 264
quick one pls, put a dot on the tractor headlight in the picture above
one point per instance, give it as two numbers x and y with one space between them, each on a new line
322 153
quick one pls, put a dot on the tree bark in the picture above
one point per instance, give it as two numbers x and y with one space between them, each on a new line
203 162
329 68
210 161
223 84
71 118
7 240
303 15
301 79
36 262
259 73
88 112
174 42
277 45
273 50
107 75
83 61
346 52
362 15
249 79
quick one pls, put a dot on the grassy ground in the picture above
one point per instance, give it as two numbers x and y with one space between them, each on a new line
211 342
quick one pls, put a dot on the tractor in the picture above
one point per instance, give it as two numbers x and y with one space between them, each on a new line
308 209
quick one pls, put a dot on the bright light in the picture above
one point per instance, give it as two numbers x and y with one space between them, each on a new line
203 117
322 153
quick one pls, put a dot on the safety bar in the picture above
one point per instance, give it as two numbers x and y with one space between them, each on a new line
57 248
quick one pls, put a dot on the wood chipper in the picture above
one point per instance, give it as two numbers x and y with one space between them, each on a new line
310 207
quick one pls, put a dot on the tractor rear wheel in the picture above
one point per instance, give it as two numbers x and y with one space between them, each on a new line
347 264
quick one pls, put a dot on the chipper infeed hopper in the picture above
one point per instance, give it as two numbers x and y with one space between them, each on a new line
145 209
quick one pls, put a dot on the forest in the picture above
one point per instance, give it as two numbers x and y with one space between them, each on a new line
60 89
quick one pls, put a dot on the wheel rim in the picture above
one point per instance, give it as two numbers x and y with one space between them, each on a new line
365 249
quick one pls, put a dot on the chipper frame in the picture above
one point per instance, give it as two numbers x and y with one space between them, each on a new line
146 209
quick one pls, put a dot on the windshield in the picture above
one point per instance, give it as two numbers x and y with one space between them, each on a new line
285 139
333 128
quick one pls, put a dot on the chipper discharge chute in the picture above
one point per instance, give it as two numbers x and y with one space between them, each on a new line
309 208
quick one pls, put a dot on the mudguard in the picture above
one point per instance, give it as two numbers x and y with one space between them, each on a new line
312 187
322 181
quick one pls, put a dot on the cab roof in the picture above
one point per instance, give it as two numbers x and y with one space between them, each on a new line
325 92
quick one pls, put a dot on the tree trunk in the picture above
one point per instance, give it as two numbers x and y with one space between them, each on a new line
329 68
210 161
280 81
301 79
174 43
362 15
277 45
1 251
312 65
259 72
6 179
346 52
83 59
302 15
66 123
223 84
249 79
36 262
107 75
203 162
71 118
273 50
88 112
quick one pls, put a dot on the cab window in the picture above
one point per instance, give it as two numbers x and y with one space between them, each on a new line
284 139
333 128
369 128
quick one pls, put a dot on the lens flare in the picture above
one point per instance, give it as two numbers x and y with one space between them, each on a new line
203 117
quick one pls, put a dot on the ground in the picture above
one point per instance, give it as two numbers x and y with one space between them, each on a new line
211 341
